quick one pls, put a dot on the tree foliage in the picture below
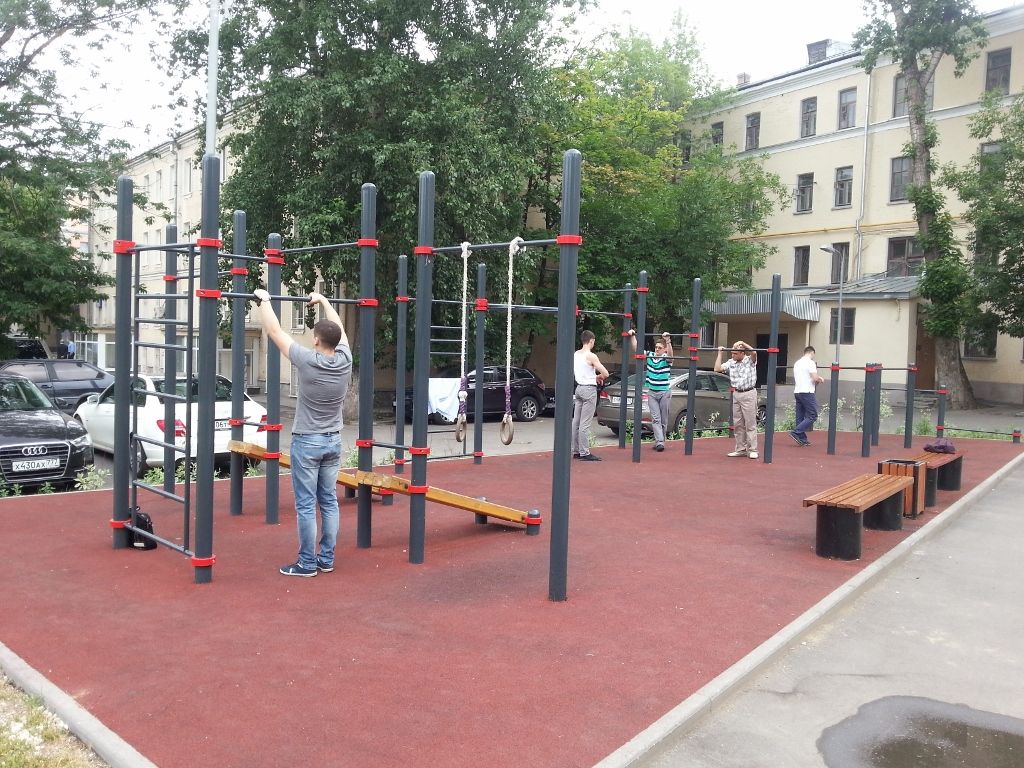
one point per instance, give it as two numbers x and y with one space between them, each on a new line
992 185
916 35
53 161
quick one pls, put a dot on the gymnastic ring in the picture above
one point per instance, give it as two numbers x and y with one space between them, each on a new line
460 428
508 430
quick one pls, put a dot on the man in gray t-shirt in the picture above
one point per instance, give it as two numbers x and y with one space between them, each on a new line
324 373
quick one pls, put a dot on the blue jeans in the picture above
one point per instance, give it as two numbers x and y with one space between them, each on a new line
316 460
806 413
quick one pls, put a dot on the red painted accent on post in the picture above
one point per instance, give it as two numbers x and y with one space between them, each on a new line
208 293
694 335
419 489
638 356
628 315
533 520
275 259
940 427
271 251
577 310
399 461
170 278
569 240
272 427
272 455
236 422
417 451
480 454
239 271
203 562
368 303
404 299
773 349
642 289
694 358
423 250
912 368
364 443
367 242
835 367
118 523
941 391
208 242
123 246
694 349
625 333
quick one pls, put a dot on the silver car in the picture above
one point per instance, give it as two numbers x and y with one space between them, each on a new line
712 401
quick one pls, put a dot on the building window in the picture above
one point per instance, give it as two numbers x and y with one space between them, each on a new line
804 192
717 133
158 186
844 186
840 262
905 257
997 72
298 315
899 178
808 117
801 264
980 338
753 131
900 103
991 158
847 108
849 320
186 177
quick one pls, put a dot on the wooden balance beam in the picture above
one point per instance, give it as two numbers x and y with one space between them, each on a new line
386 485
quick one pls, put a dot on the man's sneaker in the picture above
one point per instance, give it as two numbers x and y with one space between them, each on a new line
589 457
323 567
736 453
752 454
297 570
659 447
805 443
575 455
799 440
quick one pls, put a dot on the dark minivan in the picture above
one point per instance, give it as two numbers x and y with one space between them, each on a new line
66 382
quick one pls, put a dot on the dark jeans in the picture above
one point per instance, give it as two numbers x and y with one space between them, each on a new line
806 413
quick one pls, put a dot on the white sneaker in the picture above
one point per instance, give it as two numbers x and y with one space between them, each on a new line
736 453
752 454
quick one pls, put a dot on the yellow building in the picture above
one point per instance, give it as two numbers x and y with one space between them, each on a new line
836 134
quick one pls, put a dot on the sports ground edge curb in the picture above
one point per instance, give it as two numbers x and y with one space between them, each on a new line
687 715
104 742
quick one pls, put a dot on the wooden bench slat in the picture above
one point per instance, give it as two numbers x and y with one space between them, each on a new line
934 460
861 492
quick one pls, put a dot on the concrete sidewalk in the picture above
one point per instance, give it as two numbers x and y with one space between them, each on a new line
944 624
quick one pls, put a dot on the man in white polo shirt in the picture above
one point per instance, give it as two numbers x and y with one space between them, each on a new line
805 378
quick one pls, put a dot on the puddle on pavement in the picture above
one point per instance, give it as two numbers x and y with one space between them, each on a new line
912 732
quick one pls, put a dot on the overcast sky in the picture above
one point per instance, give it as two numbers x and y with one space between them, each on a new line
761 38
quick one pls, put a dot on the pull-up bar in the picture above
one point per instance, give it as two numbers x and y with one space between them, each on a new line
495 246
298 299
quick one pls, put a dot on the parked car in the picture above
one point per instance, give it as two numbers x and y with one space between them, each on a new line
24 347
529 394
712 400
38 443
97 414
66 382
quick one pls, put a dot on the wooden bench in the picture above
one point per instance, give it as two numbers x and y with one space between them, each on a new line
944 473
878 497
913 501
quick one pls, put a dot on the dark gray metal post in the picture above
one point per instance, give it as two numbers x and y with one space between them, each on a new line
627 308
238 372
908 418
421 366
833 407
773 362
691 381
876 406
401 336
940 425
123 358
865 414
209 297
171 355
478 394
565 336
367 324
639 361
273 484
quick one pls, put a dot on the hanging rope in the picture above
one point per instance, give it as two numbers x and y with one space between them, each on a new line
507 428
460 421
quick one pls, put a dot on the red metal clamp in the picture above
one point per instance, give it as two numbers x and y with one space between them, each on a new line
481 305
417 451
208 293
419 489
203 562
569 240
423 250
123 246
364 443
367 242
404 299
208 242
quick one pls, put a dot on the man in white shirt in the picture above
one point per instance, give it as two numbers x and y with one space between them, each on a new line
589 373
805 378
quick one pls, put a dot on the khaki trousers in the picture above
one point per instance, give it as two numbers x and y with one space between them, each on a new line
744 418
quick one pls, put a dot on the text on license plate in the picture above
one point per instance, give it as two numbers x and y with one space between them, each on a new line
222 424
30 465
615 400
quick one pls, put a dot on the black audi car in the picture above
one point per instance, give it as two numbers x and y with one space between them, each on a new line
38 443
529 396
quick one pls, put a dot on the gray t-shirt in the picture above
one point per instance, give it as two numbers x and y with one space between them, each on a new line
323 382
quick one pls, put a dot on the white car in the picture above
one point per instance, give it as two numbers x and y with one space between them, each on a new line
97 414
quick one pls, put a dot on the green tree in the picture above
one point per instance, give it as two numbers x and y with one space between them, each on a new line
655 197
327 96
53 161
992 185
917 34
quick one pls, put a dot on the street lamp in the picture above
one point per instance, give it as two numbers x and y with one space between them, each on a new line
839 311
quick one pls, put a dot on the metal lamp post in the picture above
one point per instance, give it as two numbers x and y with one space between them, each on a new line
839 312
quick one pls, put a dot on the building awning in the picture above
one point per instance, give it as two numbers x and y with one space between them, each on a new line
758 304
873 287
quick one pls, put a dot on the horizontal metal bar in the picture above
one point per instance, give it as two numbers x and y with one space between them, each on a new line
393 446
947 429
446 327
605 290
169 446
159 491
241 257
152 536
164 296
584 311
180 247
319 248
155 345
446 341
445 354
303 299
495 246
168 395
156 321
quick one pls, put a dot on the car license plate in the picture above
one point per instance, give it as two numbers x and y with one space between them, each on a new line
615 400
31 465
222 424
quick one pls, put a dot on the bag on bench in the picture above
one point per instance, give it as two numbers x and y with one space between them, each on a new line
940 445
